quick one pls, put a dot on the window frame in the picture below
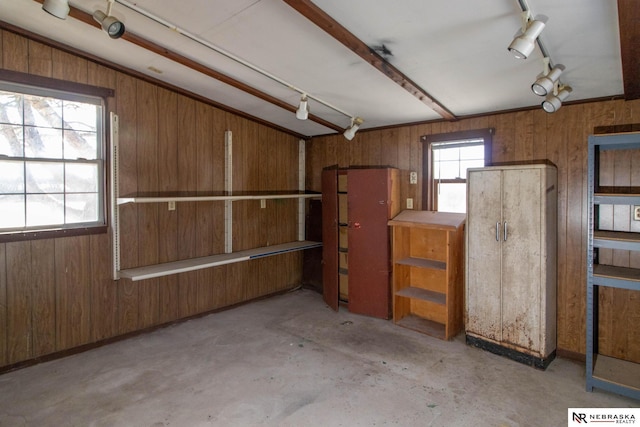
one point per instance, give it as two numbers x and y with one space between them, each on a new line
44 86
428 197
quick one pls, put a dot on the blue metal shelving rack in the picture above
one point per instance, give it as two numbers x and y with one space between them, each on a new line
604 372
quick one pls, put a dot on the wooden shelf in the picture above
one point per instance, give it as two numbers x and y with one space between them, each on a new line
207 197
423 325
616 240
617 372
182 266
618 277
427 271
616 199
422 263
423 294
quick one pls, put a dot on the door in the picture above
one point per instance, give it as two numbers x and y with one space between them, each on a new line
369 253
330 237
521 256
484 244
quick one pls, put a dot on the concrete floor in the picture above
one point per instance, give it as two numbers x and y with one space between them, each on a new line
291 361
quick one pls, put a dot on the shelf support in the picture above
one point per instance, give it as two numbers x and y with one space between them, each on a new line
115 217
301 188
228 186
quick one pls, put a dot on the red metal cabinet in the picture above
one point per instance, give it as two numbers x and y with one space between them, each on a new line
372 198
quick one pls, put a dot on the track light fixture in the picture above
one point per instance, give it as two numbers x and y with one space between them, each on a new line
545 84
302 113
58 8
523 45
109 24
554 101
355 125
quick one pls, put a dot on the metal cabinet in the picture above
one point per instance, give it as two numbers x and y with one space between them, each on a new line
511 261
603 371
356 205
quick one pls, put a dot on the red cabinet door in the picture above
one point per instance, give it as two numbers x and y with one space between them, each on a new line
330 237
369 265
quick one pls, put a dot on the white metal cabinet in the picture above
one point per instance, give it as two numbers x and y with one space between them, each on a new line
511 261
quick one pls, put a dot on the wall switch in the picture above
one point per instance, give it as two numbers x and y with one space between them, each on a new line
636 213
409 203
263 203
413 178
172 205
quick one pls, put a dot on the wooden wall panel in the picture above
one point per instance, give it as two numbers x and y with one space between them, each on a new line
187 213
126 110
168 143
147 110
44 296
4 326
19 302
58 294
535 135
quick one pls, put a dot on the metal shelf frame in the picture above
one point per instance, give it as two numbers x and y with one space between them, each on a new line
607 373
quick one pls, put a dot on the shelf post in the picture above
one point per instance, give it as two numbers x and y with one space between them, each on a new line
115 217
228 187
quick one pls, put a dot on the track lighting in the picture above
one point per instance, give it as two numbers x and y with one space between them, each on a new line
302 112
58 8
109 24
554 102
545 84
523 45
355 125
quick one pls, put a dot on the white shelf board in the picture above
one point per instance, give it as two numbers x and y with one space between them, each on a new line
183 266
213 197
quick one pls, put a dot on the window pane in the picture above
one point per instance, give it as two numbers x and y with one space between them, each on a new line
42 112
11 140
43 142
448 170
45 209
80 145
472 152
10 108
82 208
11 176
81 178
79 116
449 153
12 208
452 197
44 177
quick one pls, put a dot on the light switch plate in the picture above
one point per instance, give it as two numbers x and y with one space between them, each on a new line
172 205
636 213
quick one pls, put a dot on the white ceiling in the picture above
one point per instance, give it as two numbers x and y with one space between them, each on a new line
455 51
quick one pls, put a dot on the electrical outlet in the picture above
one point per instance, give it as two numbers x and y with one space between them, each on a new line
172 205
409 203
636 213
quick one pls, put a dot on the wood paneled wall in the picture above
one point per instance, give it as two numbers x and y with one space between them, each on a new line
57 294
525 136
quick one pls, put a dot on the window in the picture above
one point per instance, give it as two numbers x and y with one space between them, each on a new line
51 160
446 160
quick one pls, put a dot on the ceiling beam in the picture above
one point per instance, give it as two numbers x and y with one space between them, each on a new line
183 60
316 15
629 23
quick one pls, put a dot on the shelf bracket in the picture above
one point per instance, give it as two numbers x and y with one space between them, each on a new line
228 187
115 217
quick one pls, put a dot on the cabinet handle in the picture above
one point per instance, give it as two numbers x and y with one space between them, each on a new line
505 231
497 231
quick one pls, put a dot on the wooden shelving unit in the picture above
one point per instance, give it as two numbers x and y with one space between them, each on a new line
227 197
609 373
427 249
